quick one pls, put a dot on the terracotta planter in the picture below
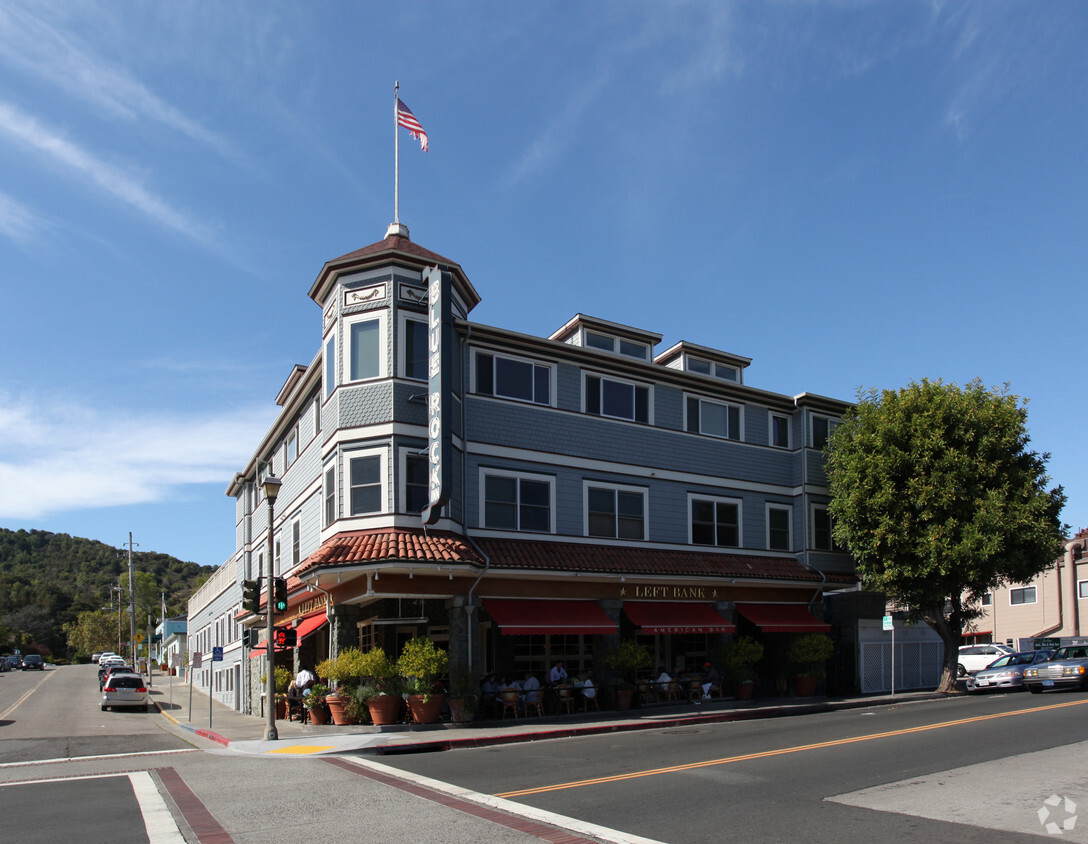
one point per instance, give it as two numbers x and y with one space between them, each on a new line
623 698
281 709
805 685
384 709
458 711
336 710
319 715
425 711
744 690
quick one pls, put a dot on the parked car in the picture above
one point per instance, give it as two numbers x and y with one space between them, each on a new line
33 662
974 658
106 655
125 689
108 671
1067 668
1006 672
14 662
4 664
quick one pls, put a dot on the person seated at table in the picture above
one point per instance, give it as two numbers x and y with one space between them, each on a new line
712 680
661 684
589 691
558 674
531 688
305 679
489 694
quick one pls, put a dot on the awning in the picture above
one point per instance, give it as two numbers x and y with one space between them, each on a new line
675 617
520 617
782 618
310 625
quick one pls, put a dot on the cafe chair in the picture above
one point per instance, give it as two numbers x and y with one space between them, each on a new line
566 699
587 702
672 691
695 690
509 703
537 705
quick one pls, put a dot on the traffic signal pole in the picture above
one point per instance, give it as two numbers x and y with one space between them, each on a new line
271 486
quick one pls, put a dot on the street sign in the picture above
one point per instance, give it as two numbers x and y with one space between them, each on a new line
217 654
198 659
888 623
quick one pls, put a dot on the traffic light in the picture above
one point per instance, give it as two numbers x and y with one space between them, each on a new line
251 595
250 637
285 637
281 594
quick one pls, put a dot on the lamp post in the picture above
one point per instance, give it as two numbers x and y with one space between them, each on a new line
271 488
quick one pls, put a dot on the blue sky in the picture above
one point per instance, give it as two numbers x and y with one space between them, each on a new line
852 194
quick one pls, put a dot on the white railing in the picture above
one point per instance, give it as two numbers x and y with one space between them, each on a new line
224 576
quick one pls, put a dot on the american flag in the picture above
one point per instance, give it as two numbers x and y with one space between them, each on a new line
408 120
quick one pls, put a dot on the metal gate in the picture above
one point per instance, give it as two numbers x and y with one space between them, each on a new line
917 666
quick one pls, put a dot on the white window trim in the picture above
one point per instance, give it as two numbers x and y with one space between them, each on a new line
771 416
1035 600
291 435
528 476
832 424
601 376
402 333
402 472
717 499
518 359
644 491
335 468
327 389
615 344
812 508
767 533
383 473
1081 584
728 404
383 345
296 526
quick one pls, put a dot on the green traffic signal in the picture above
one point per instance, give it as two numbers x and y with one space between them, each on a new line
280 600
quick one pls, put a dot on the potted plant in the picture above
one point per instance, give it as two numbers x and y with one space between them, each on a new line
315 702
421 663
282 679
382 698
463 698
741 656
809 652
344 673
629 656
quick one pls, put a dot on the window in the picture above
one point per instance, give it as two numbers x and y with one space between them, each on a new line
987 599
715 522
330 495
365 485
510 378
416 491
1024 595
291 448
713 418
617 345
822 426
415 349
330 365
780 431
822 538
706 367
615 512
618 399
296 543
517 503
778 528
1082 589
365 350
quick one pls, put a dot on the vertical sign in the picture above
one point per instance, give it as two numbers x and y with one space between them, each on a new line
439 354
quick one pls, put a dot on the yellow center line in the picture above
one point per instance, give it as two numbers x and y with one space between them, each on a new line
764 754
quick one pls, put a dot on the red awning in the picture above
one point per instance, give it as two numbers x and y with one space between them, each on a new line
520 617
310 624
783 618
676 617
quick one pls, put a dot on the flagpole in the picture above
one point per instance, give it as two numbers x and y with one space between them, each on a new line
396 155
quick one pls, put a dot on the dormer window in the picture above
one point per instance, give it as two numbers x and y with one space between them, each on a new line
617 345
717 370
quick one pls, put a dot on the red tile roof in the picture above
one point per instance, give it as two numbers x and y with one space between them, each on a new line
569 556
375 546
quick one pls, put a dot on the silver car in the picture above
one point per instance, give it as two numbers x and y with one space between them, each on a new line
125 690
1006 672
1068 668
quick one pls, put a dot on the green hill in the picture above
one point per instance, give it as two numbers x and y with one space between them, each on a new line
47 579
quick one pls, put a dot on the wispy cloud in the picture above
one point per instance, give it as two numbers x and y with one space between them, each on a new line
31 44
61 456
103 176
17 222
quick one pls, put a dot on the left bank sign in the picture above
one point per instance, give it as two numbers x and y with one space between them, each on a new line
439 354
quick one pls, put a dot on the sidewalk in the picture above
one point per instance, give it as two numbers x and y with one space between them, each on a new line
244 734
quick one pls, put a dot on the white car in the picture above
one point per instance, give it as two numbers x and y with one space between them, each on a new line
102 657
974 658
125 689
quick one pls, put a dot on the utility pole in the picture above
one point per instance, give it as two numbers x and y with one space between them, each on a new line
131 600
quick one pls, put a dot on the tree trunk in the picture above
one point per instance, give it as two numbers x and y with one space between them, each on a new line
948 628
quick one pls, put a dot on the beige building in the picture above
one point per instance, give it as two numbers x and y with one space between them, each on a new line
1053 605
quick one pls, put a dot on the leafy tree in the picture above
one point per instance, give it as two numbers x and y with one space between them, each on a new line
936 496
92 631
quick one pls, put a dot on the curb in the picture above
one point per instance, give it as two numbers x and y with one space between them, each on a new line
601 729
208 734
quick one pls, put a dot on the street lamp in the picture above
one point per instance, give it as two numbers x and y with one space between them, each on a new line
270 486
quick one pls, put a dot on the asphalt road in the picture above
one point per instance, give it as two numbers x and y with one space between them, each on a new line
965 769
